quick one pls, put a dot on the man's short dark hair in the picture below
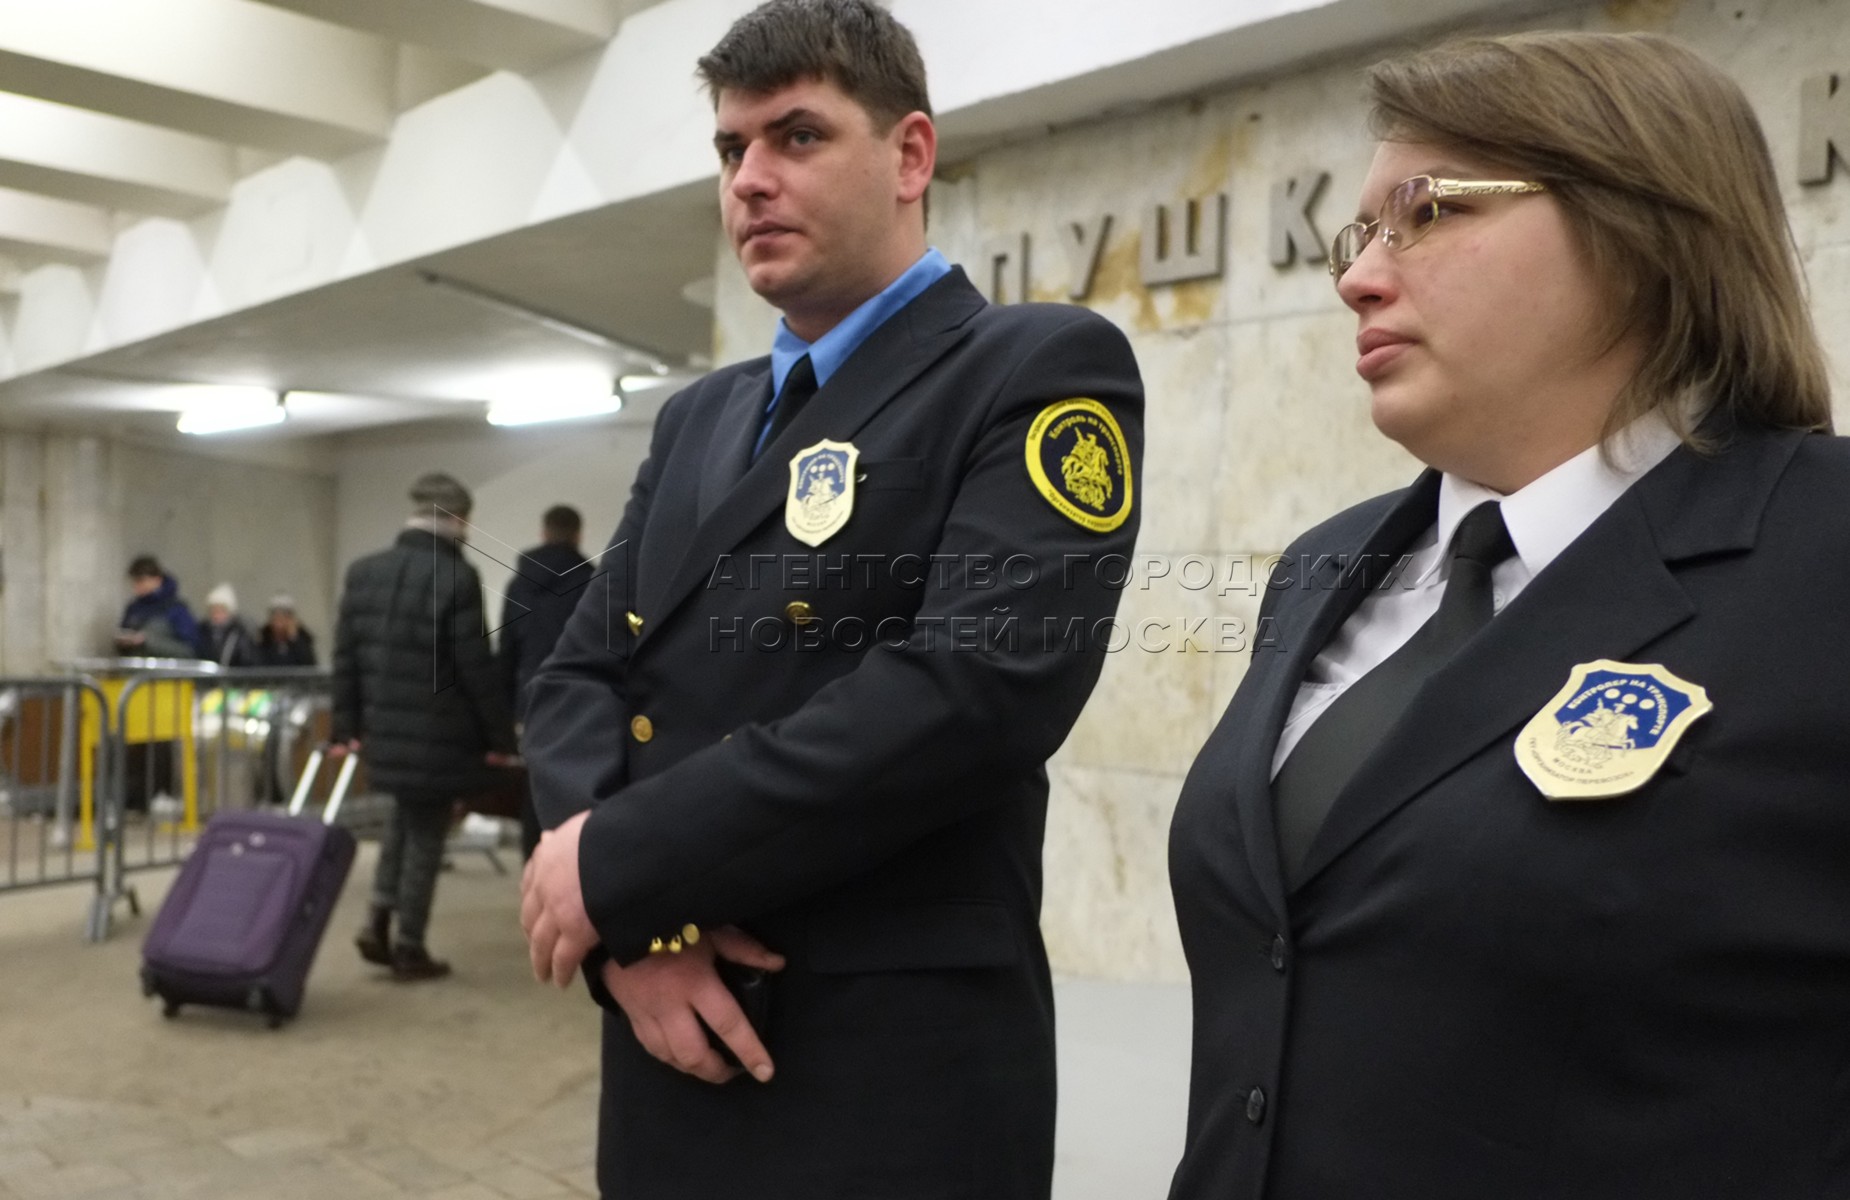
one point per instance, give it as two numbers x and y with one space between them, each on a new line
561 523
145 566
854 44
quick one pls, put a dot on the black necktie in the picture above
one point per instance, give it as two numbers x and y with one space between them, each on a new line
799 386
1353 725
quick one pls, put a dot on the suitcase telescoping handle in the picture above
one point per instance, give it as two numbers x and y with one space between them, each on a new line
310 770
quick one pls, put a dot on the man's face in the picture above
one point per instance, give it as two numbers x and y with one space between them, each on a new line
145 585
815 200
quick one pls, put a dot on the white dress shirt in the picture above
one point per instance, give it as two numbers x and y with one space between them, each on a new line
1543 518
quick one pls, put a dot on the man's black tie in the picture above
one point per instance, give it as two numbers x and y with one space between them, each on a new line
1348 731
799 386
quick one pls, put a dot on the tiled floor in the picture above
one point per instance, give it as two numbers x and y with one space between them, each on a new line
480 1087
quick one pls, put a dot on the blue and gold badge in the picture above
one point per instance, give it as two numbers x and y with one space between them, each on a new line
1079 462
821 497
1609 730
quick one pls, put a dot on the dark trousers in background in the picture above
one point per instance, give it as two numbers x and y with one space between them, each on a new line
147 771
410 860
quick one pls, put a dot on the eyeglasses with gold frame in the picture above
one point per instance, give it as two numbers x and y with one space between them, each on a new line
1410 211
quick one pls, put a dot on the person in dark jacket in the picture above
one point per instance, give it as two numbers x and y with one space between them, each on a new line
284 641
157 622
1524 874
416 685
546 586
223 638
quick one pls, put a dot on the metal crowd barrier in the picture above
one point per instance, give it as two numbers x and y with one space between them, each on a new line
51 733
116 767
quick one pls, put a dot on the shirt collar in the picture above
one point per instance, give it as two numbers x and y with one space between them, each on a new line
831 350
1547 515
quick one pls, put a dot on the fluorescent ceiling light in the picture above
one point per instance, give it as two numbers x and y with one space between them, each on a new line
642 383
532 410
215 408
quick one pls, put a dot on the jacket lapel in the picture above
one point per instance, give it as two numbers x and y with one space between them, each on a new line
730 454
1334 586
1610 594
895 354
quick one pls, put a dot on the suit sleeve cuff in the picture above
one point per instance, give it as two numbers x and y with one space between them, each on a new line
594 979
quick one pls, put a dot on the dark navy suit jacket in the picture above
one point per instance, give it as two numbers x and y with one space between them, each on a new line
861 784
1475 993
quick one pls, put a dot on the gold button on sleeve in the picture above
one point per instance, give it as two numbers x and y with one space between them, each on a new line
641 728
799 612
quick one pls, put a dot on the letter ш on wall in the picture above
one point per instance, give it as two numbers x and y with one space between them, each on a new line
1192 244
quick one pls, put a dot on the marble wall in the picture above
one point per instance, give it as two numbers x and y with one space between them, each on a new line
1257 425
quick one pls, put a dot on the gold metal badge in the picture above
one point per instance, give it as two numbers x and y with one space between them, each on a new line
821 497
1609 730
1079 462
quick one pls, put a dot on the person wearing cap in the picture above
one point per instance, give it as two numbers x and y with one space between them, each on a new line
417 691
284 641
223 639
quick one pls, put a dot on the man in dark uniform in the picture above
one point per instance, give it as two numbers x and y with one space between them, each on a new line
547 582
801 722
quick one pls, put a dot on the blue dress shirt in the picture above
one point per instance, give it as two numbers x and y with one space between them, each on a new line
828 352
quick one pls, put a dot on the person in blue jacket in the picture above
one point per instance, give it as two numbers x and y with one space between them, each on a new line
157 622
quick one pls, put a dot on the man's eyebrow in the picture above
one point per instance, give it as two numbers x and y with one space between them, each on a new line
726 138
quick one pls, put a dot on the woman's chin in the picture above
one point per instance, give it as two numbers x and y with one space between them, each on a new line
1400 412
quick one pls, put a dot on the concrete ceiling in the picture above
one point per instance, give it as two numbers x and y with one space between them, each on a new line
397 347
162 115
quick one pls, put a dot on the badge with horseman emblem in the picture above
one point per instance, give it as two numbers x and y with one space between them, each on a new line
1079 462
1609 730
821 496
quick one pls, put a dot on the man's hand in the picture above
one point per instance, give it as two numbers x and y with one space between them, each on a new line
667 996
552 906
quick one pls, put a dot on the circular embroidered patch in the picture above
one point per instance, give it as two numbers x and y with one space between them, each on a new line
1079 461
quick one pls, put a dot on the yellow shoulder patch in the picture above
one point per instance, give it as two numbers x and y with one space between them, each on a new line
1078 460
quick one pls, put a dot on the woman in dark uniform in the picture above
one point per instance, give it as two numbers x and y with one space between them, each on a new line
1524 871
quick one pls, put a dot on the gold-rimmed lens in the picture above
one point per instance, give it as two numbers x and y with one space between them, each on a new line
1409 211
1347 246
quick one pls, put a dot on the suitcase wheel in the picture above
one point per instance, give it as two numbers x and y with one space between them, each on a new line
147 982
170 1008
260 1001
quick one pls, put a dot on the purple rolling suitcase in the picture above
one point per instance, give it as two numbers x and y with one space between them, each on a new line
245 915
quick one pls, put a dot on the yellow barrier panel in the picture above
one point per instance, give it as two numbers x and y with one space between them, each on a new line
161 710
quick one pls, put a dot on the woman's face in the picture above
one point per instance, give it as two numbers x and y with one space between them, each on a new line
1482 343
